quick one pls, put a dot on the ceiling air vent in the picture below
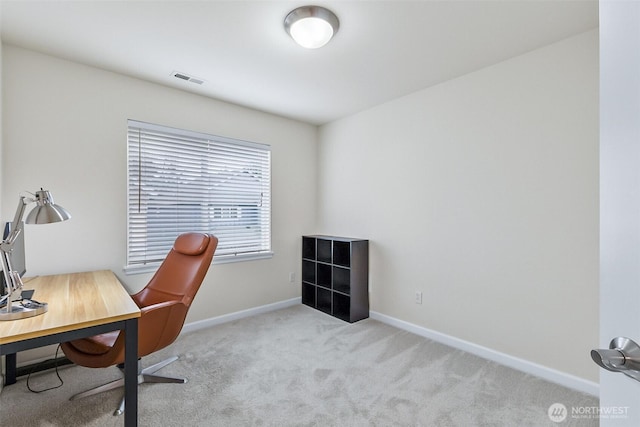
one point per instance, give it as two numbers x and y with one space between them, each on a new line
187 77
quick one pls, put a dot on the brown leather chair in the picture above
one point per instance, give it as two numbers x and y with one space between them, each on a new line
164 304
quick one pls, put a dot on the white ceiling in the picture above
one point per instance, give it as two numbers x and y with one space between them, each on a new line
383 50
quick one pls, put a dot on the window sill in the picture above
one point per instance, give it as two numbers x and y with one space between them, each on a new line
221 259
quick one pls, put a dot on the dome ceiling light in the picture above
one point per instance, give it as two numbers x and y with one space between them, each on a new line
311 26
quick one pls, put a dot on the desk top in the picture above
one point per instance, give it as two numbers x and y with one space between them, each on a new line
76 300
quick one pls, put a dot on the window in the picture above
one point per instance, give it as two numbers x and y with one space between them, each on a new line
180 181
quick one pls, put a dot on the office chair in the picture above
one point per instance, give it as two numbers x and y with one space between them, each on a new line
164 304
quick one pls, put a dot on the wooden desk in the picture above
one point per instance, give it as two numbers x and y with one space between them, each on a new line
80 305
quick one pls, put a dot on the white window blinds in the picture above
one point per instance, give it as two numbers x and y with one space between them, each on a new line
181 181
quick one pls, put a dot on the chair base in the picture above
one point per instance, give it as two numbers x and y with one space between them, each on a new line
144 376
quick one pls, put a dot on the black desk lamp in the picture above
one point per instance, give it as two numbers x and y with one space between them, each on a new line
45 212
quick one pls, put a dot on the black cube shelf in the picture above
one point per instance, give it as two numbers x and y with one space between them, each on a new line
335 276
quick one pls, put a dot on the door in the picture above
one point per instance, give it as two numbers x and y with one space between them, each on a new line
619 201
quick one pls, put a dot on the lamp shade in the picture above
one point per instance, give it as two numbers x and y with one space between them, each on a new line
46 211
311 26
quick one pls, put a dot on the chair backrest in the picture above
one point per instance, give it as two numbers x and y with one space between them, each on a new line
182 272
166 299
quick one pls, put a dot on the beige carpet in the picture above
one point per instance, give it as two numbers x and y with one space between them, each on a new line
300 367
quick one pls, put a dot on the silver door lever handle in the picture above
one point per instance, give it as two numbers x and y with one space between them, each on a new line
623 355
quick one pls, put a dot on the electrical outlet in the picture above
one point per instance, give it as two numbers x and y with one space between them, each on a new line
292 277
418 297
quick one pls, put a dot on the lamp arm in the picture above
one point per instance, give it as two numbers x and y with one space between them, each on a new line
5 250
17 224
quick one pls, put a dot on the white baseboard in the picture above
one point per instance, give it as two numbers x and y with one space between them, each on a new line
206 323
549 374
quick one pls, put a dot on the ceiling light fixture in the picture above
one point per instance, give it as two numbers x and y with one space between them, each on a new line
311 26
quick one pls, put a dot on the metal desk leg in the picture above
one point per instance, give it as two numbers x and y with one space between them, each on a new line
10 365
131 373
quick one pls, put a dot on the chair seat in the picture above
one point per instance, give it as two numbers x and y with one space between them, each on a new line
95 345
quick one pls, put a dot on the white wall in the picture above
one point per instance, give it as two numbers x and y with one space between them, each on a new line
65 130
620 197
481 192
